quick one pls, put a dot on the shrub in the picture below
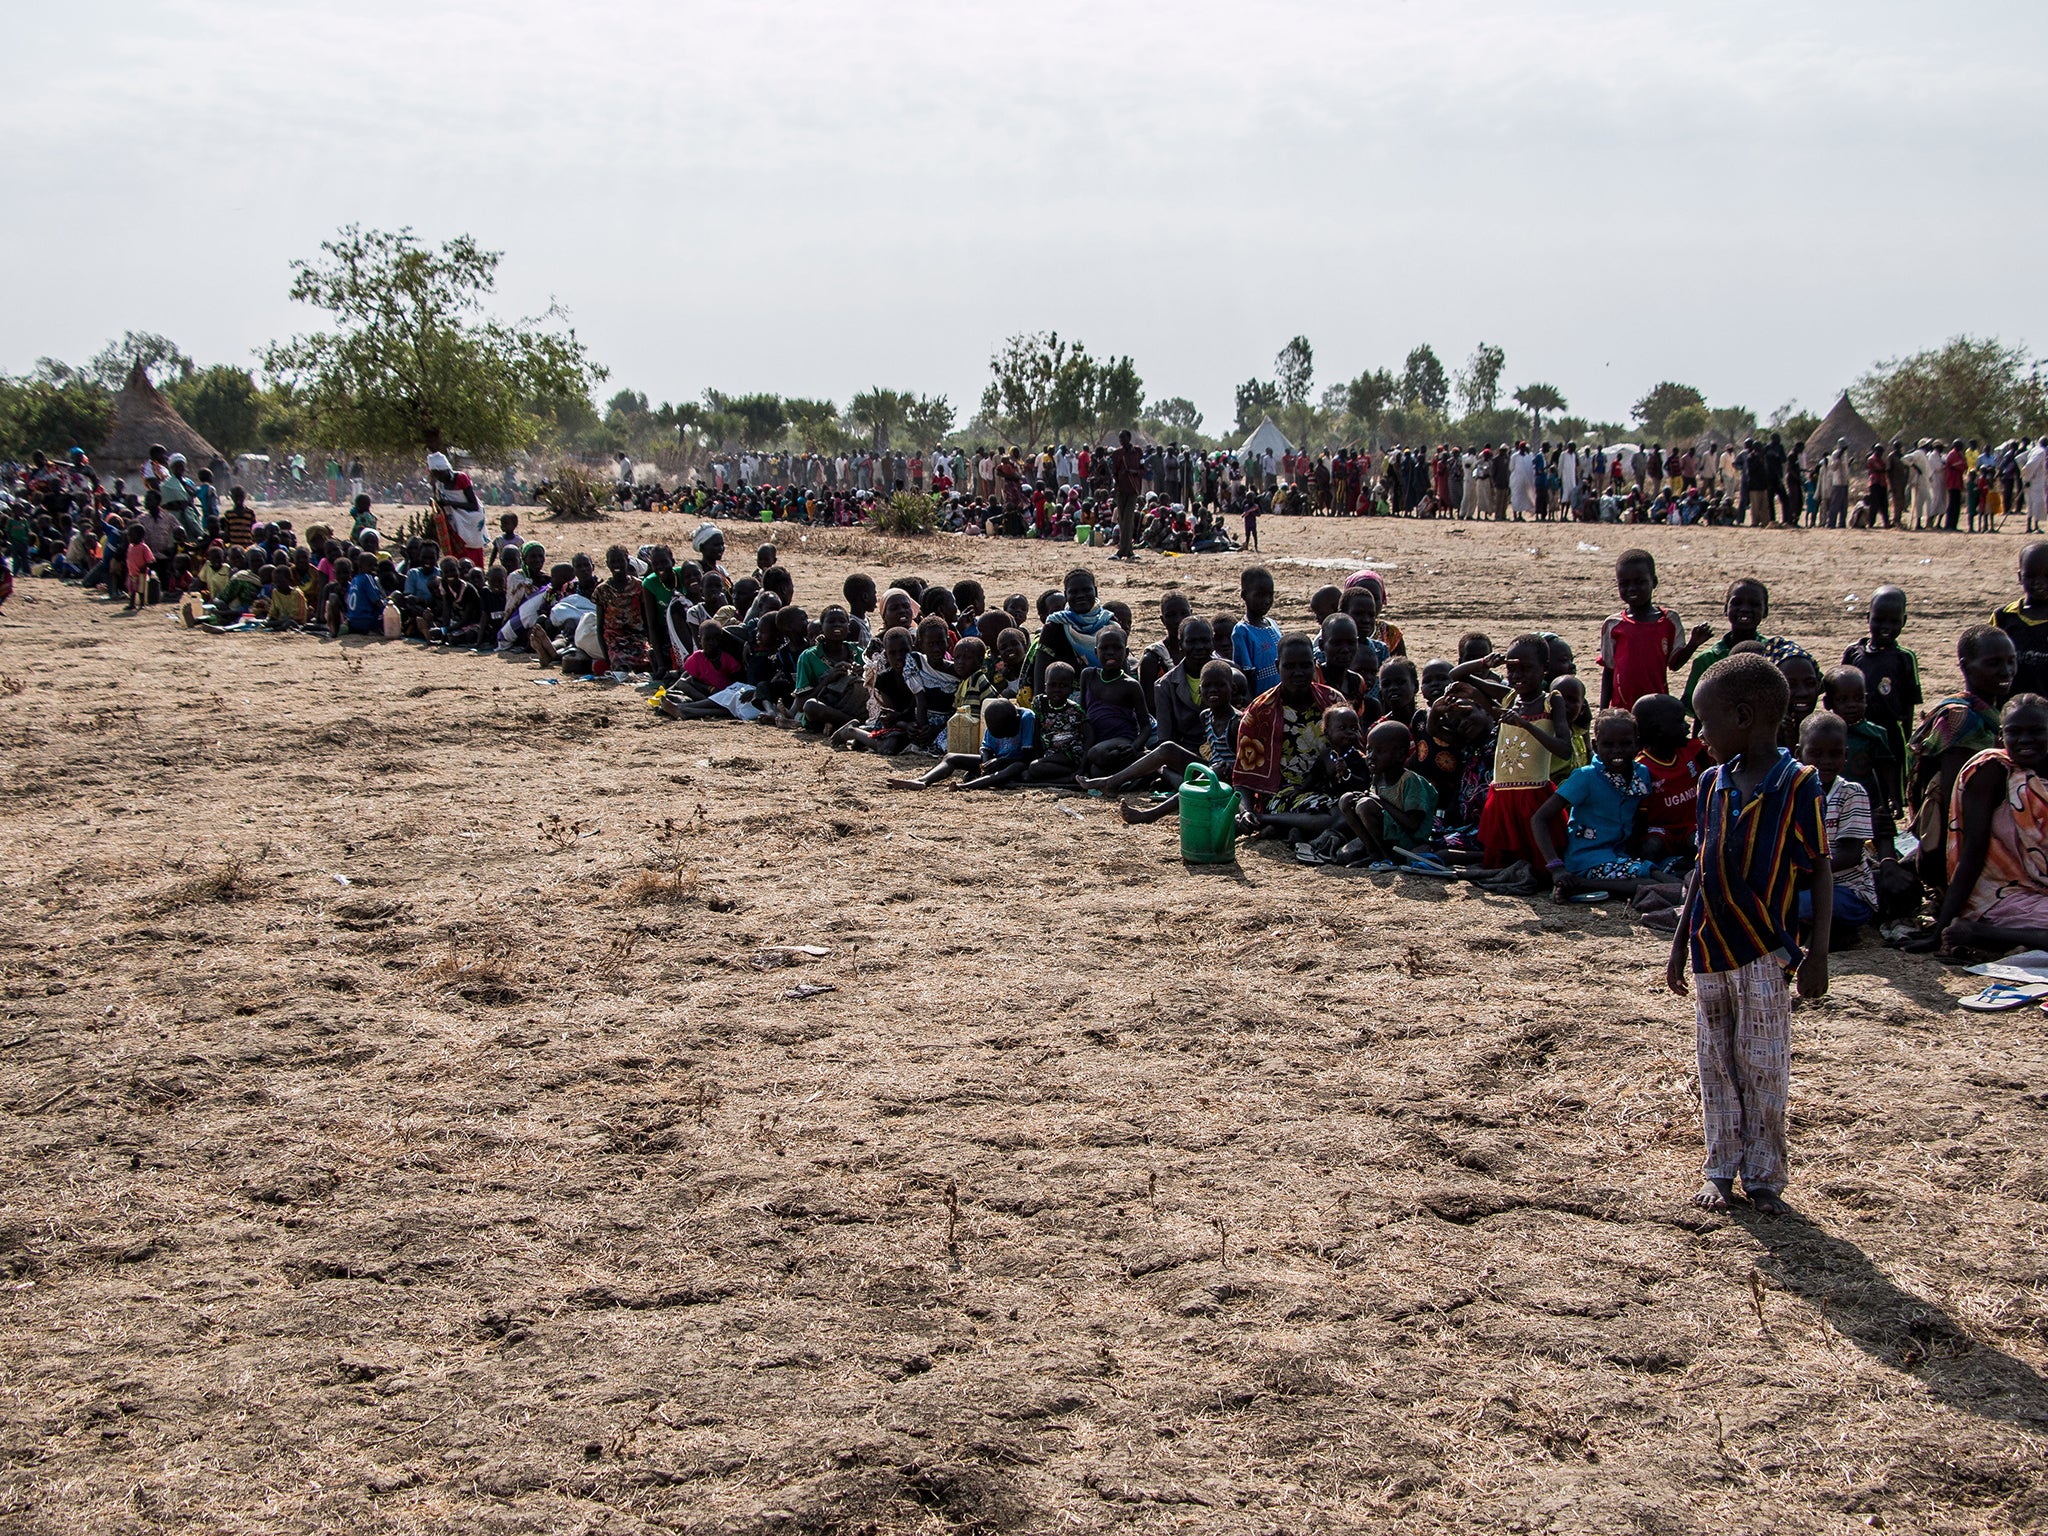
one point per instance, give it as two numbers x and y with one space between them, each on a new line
908 512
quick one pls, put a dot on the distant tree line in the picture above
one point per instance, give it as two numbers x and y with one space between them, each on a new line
410 361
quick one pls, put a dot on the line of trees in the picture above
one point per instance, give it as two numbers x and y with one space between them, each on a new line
411 360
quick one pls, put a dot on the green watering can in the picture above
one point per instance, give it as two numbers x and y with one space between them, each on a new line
1208 817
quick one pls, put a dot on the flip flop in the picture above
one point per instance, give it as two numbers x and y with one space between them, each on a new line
1304 854
1432 871
2002 995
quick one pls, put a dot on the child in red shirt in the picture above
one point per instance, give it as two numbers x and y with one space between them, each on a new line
1676 759
1642 644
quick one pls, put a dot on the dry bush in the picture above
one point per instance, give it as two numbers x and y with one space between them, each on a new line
574 492
659 888
226 881
489 978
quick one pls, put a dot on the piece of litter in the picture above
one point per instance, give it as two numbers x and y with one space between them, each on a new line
1928 561
1071 811
802 990
815 951
341 879
545 682
1588 549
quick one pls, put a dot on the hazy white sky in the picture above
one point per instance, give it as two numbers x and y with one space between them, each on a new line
812 197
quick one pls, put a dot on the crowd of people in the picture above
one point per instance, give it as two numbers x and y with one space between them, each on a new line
1941 486
1760 804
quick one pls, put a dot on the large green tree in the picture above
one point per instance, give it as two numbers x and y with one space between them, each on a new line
1653 411
1968 387
1424 382
1294 371
224 405
54 409
745 421
928 420
1037 380
412 361
1256 398
1479 381
1117 396
1367 397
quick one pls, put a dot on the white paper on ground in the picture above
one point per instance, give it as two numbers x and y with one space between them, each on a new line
730 698
2029 966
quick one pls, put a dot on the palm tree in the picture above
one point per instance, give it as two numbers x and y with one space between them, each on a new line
1536 399
881 411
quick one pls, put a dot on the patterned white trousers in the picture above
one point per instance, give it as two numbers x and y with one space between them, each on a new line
1745 1052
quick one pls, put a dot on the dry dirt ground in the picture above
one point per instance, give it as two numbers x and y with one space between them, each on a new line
409 1125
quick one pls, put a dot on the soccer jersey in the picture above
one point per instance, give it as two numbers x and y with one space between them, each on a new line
1637 654
1672 805
2030 638
1891 684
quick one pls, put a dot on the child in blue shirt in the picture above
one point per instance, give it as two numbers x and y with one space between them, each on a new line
1596 814
1255 638
365 610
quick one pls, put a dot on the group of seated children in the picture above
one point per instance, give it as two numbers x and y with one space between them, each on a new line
1495 766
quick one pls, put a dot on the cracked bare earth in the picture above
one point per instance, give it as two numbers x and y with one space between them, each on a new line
418 1118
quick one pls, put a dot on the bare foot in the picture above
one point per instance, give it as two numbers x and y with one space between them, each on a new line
1963 934
1766 1201
905 783
1715 1195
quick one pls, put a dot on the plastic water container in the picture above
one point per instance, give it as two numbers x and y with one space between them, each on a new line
1208 817
963 734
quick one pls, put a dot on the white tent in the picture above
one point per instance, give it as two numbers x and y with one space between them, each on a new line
1266 438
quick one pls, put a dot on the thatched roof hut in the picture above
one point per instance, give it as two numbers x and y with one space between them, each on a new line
143 417
1139 439
1841 423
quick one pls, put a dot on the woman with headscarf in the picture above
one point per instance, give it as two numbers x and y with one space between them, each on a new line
460 513
709 545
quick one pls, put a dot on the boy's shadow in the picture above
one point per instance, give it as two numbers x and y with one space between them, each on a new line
1894 1326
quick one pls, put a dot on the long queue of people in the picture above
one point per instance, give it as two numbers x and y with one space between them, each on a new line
1928 484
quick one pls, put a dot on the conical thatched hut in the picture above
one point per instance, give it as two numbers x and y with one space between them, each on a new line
1840 423
143 417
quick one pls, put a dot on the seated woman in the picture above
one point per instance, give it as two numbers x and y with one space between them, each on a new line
1280 747
1071 633
1953 733
1998 841
622 616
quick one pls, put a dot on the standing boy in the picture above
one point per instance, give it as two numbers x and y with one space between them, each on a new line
1745 608
1891 673
1255 638
1761 832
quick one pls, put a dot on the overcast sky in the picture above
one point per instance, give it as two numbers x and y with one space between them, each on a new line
812 197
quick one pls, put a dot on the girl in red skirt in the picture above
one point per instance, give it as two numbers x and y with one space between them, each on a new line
1535 736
